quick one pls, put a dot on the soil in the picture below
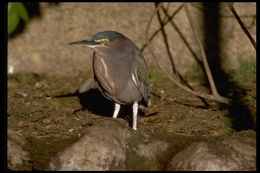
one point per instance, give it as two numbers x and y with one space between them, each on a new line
48 112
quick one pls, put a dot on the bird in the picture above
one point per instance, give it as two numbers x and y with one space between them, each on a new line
120 71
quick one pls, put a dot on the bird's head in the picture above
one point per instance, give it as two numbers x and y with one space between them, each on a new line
100 39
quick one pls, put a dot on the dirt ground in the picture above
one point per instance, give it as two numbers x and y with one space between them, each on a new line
45 110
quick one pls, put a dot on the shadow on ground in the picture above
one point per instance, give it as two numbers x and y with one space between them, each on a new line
94 102
238 110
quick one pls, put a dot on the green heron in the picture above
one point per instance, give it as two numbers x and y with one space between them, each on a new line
120 71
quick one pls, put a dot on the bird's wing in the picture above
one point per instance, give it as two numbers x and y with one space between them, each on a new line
140 76
87 85
105 81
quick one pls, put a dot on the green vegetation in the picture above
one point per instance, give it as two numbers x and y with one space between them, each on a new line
245 73
16 13
30 78
155 74
64 89
195 75
228 121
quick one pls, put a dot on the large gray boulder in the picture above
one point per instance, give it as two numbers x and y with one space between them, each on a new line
102 147
234 153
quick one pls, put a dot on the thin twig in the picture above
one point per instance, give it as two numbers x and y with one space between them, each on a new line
203 55
165 40
230 5
182 37
206 96
164 23
188 46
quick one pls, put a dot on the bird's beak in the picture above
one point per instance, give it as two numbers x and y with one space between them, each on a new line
88 42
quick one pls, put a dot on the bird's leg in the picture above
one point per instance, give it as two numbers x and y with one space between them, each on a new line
116 111
135 110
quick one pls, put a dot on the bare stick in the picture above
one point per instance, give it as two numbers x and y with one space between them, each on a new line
164 23
206 96
203 54
241 24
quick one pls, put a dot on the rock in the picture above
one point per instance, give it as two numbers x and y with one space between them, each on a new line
237 152
146 153
32 51
110 144
17 157
102 147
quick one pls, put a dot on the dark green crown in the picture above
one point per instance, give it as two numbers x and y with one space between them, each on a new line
110 35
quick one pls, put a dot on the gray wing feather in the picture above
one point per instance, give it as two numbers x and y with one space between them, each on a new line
140 76
87 85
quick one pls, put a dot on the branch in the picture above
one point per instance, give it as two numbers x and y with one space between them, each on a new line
206 96
241 24
187 44
182 37
203 54
164 23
